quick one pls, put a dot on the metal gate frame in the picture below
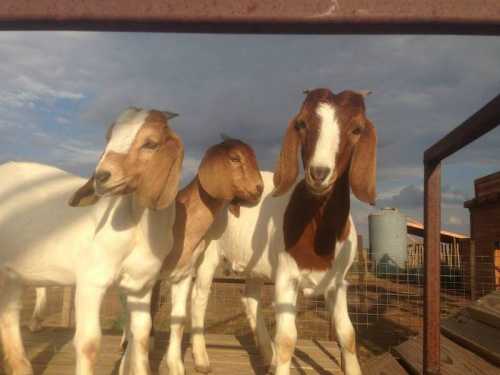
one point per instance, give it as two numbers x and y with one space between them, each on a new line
300 17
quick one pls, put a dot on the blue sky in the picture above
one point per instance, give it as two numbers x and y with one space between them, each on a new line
60 91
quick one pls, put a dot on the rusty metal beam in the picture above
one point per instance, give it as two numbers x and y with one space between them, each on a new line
432 275
256 16
481 122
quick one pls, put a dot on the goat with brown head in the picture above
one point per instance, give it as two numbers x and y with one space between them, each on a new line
228 175
338 146
142 156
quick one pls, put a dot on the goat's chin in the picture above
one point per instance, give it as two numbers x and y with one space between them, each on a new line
106 191
319 191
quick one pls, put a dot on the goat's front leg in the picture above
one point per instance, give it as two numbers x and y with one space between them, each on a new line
253 310
199 301
39 310
179 294
336 298
287 283
88 299
135 360
10 332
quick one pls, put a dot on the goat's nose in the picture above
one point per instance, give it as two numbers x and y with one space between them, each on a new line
102 176
319 174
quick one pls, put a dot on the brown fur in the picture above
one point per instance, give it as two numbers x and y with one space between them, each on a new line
315 223
153 175
313 226
287 169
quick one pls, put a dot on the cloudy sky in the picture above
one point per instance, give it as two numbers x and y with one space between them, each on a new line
59 92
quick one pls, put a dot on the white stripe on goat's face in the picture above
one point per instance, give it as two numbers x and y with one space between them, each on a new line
124 131
137 140
322 163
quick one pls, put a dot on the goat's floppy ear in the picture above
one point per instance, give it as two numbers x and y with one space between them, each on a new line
287 168
160 188
214 176
84 196
363 172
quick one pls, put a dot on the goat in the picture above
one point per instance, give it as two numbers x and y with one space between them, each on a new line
300 235
228 175
120 236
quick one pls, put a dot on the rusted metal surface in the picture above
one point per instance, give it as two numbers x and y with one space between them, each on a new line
432 223
256 16
481 122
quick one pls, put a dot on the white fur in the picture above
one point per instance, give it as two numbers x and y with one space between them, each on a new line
44 241
327 145
254 243
39 310
125 129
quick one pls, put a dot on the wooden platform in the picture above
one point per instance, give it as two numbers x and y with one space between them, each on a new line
51 353
455 360
470 341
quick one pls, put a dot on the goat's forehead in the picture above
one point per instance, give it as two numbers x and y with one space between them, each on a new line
125 129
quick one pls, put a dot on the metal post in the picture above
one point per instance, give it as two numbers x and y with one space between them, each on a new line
432 225
472 262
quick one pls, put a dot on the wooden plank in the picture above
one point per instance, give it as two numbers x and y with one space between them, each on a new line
474 335
51 353
487 309
455 360
384 364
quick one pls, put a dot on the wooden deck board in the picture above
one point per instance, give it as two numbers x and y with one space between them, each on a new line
455 360
487 309
384 364
51 353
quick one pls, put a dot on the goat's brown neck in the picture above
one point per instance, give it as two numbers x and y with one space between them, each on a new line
313 225
195 213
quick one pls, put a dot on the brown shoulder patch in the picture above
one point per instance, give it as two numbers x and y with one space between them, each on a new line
312 226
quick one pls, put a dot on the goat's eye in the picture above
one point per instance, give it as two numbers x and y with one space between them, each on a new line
150 145
357 130
300 125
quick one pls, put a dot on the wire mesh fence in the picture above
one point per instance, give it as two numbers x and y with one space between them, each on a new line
385 301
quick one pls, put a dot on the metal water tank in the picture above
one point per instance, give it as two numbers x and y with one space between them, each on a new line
388 240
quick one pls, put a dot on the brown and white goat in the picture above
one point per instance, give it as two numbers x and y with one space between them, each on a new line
300 235
228 175
121 237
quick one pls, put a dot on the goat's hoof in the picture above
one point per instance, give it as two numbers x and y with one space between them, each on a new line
203 369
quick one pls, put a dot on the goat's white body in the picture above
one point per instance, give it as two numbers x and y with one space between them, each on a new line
253 244
44 241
